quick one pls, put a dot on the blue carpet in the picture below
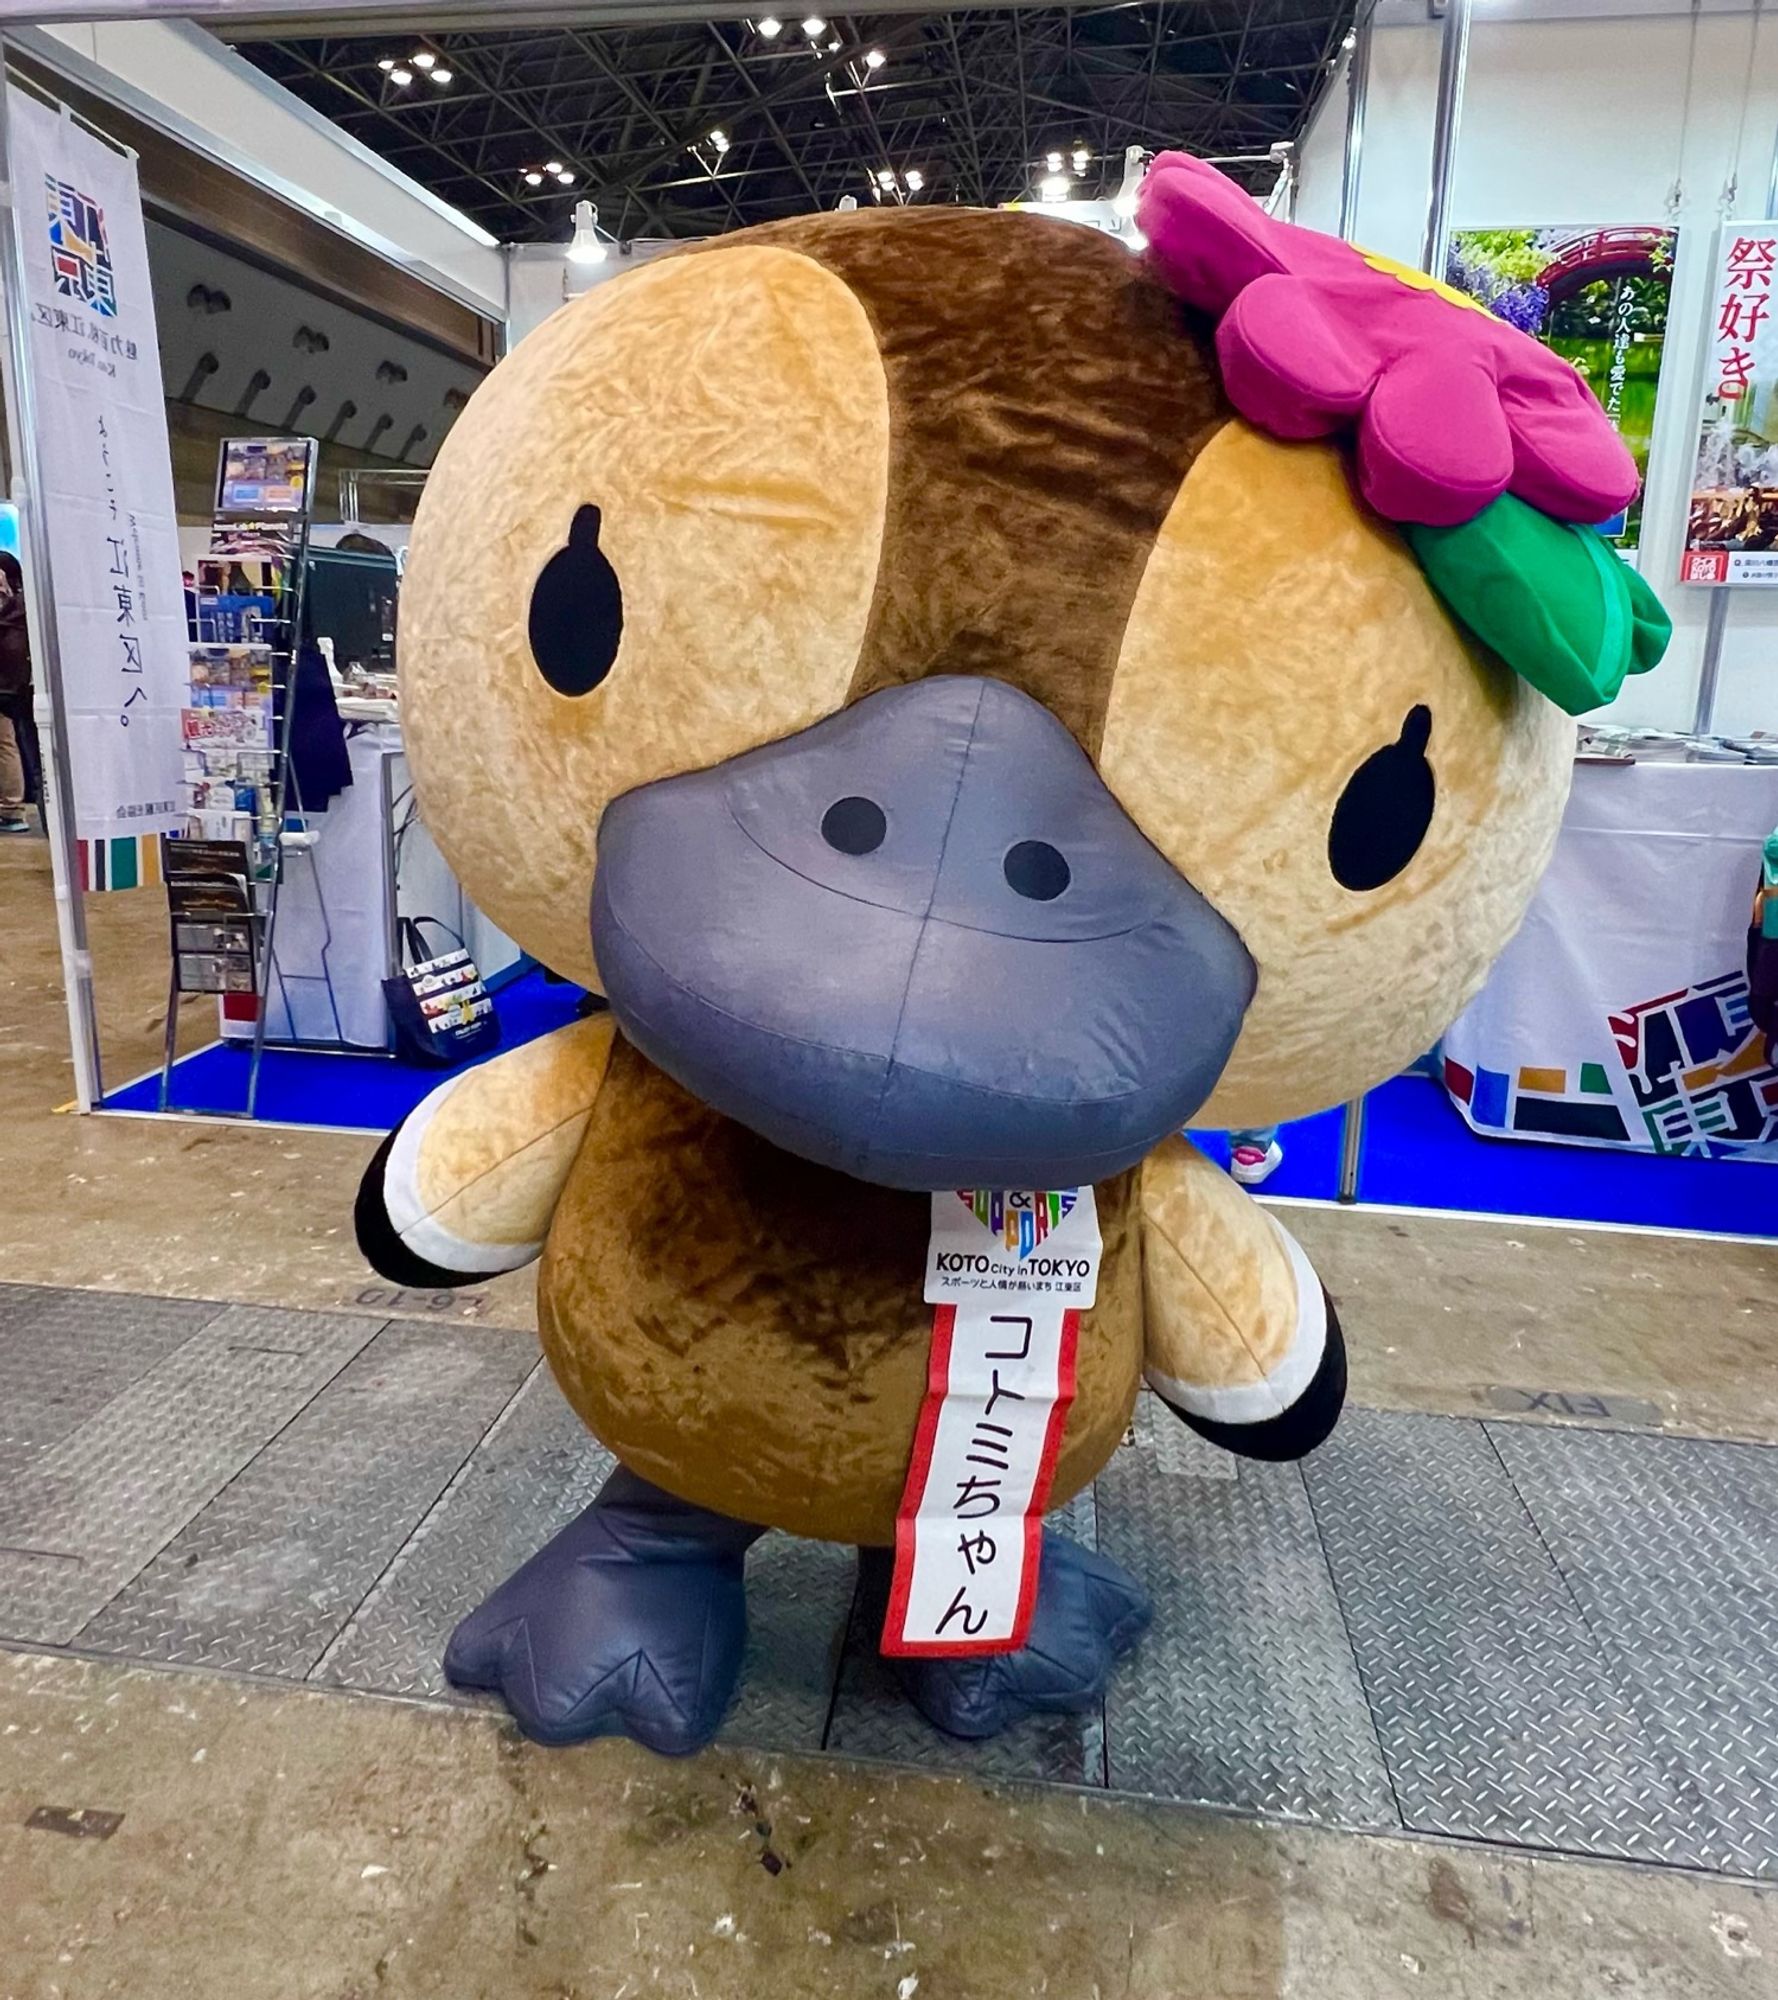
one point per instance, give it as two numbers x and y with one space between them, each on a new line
354 1092
1418 1153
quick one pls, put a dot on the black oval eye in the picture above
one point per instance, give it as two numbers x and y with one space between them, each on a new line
854 826
1384 811
577 611
1035 870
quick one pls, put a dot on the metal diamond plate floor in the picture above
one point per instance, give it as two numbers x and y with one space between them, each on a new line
1539 1636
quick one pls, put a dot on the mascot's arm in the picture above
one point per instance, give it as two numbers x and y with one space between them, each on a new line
465 1186
1241 1340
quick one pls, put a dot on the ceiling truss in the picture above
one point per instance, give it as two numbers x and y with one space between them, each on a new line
972 102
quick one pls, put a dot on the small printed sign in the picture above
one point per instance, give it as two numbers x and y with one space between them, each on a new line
1009 1273
1043 1242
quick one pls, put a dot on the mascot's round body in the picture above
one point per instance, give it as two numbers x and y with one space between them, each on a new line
874 653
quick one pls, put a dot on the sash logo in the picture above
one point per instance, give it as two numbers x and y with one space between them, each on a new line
1020 1218
79 254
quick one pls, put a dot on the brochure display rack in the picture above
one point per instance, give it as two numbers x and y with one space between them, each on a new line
243 807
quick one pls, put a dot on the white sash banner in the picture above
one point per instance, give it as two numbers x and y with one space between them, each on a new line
1010 1273
107 495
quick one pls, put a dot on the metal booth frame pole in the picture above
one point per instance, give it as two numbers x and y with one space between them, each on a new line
1716 623
355 476
57 804
1453 67
1351 1148
1358 91
1772 182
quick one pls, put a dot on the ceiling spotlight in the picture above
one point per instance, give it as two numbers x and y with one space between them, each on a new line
533 179
423 59
719 139
441 76
833 47
814 27
585 247
401 76
1054 162
1351 41
1135 166
770 27
552 166
915 180
874 59
1082 159
886 178
1054 187
566 178
386 64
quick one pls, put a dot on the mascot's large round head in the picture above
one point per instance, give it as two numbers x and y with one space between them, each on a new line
874 651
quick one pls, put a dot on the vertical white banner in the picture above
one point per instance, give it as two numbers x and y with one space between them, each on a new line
107 495
1731 530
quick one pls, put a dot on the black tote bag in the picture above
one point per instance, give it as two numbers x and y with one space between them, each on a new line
441 1012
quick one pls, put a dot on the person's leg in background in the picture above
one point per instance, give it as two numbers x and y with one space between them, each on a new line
24 728
12 780
1254 1154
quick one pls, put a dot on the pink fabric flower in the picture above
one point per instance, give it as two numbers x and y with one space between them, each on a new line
1451 406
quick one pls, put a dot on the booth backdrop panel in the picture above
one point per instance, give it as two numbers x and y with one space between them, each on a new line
1565 118
1618 1016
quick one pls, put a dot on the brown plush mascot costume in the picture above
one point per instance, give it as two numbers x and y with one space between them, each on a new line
874 653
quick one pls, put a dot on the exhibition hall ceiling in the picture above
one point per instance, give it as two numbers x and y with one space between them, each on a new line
678 128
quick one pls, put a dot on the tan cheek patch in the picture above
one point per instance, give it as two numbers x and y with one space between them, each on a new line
728 414
1279 638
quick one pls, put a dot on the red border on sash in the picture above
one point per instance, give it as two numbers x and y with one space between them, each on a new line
938 1381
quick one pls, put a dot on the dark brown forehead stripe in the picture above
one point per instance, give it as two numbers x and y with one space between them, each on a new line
1045 401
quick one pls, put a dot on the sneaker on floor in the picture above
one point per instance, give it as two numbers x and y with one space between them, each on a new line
1252 1164
14 823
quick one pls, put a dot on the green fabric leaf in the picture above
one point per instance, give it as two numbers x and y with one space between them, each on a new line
1553 600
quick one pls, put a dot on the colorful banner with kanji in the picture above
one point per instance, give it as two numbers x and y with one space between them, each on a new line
107 499
1620 1015
1731 533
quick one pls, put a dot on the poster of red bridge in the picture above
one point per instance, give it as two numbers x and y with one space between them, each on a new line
1731 532
1597 294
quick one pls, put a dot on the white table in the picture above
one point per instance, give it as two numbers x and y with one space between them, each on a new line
336 919
1618 1015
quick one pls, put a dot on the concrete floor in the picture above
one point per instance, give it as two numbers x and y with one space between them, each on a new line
315 1847
290 1845
260 1217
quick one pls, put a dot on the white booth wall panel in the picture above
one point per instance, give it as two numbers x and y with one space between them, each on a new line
1580 121
542 280
253 120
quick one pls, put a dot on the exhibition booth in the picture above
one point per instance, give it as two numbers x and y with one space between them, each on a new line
269 378
1610 189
